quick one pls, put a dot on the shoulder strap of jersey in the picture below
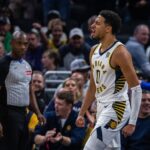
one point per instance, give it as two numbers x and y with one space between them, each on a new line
93 49
117 44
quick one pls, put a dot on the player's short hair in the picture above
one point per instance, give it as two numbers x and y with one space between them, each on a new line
112 19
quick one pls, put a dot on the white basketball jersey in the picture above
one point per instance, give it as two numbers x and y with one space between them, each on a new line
110 82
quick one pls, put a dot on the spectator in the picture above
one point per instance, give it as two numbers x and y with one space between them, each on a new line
80 65
50 61
53 14
32 121
2 144
5 34
24 9
57 37
2 51
135 45
35 50
139 9
15 76
52 36
37 83
1 130
145 85
69 84
89 39
60 131
148 52
140 138
79 8
63 6
72 85
76 48
79 79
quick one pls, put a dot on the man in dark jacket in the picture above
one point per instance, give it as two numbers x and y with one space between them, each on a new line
60 131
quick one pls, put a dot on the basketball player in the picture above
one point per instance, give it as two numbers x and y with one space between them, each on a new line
112 72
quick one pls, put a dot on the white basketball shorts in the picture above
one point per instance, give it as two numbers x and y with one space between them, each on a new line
111 118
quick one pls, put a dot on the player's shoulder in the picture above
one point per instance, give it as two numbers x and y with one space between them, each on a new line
121 49
121 53
93 48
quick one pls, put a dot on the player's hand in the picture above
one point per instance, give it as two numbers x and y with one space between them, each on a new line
90 118
128 130
80 121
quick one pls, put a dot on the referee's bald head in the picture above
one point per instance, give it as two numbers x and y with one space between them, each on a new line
19 35
19 44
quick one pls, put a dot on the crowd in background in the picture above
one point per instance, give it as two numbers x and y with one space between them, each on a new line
58 33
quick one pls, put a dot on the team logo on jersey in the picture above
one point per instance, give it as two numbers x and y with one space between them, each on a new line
111 124
107 55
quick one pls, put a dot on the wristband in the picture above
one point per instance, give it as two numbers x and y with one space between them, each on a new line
136 96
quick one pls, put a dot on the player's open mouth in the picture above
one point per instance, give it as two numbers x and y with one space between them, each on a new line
92 31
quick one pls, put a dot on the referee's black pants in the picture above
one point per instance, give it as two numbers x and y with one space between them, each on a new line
16 128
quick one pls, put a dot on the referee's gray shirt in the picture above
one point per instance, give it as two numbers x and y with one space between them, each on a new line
15 76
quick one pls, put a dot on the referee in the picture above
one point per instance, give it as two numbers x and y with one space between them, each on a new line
15 77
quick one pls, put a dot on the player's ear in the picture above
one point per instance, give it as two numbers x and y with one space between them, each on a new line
108 28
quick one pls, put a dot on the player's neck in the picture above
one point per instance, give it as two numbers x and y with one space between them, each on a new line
106 43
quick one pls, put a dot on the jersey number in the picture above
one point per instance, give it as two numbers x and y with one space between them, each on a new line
97 76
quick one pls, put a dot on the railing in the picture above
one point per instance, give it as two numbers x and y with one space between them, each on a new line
53 79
